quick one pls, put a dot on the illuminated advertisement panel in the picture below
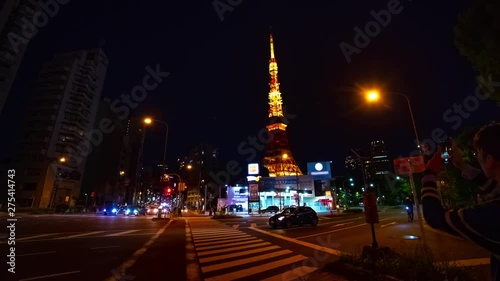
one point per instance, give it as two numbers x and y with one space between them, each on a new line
319 170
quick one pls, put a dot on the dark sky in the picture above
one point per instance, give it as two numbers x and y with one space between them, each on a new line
218 87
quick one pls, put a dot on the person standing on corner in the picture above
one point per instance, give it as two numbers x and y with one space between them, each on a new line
481 222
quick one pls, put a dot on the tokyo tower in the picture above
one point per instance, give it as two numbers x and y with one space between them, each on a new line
278 158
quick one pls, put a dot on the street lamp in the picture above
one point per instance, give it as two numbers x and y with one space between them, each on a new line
56 183
374 96
189 167
149 121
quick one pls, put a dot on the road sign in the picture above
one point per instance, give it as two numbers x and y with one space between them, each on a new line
409 165
370 205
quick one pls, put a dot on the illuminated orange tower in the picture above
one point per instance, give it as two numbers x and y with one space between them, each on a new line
278 158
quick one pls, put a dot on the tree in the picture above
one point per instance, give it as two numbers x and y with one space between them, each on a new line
477 37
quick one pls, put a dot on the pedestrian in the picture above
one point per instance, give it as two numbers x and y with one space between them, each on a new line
480 223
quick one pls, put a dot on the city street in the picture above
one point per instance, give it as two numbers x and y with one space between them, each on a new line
96 247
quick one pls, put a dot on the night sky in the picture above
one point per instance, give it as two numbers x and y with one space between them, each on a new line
217 91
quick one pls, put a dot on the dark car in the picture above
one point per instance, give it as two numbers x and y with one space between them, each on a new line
294 216
270 209
234 208
135 211
111 210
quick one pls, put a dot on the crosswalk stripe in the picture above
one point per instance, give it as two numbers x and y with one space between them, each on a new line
218 238
121 233
228 245
293 274
224 265
219 235
256 269
78 235
232 249
237 254
212 231
224 241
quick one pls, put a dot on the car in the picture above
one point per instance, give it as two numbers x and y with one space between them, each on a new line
135 211
110 210
294 216
234 208
270 209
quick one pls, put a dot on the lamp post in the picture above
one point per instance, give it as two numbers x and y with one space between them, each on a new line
374 96
148 121
283 159
56 183
189 167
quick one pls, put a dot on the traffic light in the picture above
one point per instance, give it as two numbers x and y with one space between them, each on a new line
169 190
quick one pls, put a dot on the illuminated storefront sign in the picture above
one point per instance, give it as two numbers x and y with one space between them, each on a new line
253 169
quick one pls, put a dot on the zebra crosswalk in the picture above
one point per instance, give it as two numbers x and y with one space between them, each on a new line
225 253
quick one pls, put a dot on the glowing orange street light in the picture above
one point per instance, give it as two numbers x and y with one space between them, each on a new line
148 121
62 160
372 96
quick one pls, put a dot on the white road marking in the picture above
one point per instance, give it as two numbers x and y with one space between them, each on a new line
256 269
50 275
78 235
330 231
104 247
130 262
238 254
302 243
341 224
121 233
297 273
233 263
232 249
37 236
228 245
387 224
225 241
35 254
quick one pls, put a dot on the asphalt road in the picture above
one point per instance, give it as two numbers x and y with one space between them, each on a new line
96 247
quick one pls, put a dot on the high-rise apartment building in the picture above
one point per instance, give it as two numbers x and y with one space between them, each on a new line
16 31
57 134
379 157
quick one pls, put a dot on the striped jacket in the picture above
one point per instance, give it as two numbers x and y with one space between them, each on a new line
479 224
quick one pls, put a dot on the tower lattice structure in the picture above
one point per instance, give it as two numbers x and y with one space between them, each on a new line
278 157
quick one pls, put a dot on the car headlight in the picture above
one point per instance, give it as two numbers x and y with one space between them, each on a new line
136 211
281 218
114 210
406 207
127 212
104 210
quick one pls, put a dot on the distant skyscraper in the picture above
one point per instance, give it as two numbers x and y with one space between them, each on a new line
379 157
58 126
15 16
278 157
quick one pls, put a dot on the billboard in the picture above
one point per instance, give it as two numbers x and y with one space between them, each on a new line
319 170
406 166
253 169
